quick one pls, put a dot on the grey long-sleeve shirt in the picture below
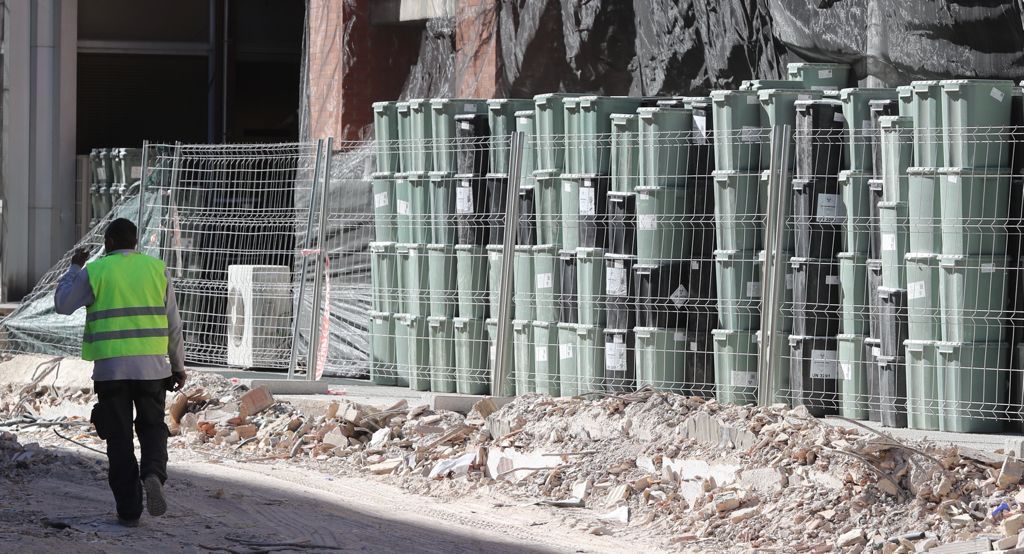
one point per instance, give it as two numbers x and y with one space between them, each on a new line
74 292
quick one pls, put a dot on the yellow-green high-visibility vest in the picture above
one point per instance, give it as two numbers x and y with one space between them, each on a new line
128 316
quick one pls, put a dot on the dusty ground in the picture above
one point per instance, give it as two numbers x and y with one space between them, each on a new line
61 503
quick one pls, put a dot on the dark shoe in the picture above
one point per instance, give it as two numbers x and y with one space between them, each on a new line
125 522
156 504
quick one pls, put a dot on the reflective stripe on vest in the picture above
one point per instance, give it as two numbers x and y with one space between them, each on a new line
128 316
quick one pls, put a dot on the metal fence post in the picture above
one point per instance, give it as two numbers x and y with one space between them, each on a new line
303 261
499 378
322 253
142 190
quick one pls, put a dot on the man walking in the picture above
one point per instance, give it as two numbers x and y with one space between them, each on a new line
132 327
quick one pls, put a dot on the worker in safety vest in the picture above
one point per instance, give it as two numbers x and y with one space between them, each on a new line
132 328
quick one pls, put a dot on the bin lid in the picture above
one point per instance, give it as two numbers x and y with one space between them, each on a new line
922 170
447 248
383 175
524 114
766 95
471 247
920 257
381 246
381 106
622 117
439 175
855 257
589 252
917 344
852 92
849 337
545 174
848 175
895 122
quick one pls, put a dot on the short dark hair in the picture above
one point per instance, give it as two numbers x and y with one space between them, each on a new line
121 234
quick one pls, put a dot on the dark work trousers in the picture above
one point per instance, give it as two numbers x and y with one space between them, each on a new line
112 417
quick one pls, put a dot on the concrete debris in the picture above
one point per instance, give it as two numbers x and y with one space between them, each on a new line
1011 472
255 401
618 515
851 538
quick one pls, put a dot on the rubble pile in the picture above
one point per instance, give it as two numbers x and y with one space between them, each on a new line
705 476
15 456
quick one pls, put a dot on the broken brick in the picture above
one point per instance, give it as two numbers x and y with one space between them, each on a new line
255 401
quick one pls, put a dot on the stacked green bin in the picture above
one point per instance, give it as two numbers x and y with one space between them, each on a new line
568 369
495 257
547 281
384 278
764 185
856 198
855 362
777 110
471 361
779 367
524 294
975 206
570 208
383 370
443 208
412 344
738 133
545 358
588 129
442 124
590 368
853 290
522 343
663 231
926 110
738 219
442 354
820 76
385 223
547 197
975 114
590 286
549 121
660 358
526 122
897 143
861 133
785 305
923 377
735 366
472 280
492 337
972 388
924 210
442 279
415 135
404 130
895 231
923 297
666 151
385 135
973 291
738 278
767 84
625 168
412 206
413 279
501 118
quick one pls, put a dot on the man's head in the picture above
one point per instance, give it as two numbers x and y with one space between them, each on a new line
121 234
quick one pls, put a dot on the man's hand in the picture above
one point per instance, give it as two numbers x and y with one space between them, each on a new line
80 257
179 381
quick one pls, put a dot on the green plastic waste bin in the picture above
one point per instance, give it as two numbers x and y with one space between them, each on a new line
974 292
417 146
860 131
404 130
385 135
383 368
897 143
973 386
442 354
779 367
412 206
820 76
568 369
442 113
855 362
547 198
413 278
522 345
569 204
738 219
784 308
412 344
976 117
546 357
926 110
667 156
674 360
590 368
738 276
385 222
546 281
501 117
524 284
472 281
924 210
495 256
588 129
384 279
763 84
526 122
738 133
922 384
924 320
853 292
975 207
590 285
778 109
764 185
549 121
442 277
625 167
443 208
735 366
895 231
666 226
856 197
472 367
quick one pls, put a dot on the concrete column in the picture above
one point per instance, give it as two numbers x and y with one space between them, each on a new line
477 71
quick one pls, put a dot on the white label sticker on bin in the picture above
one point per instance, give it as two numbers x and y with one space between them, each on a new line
618 339
752 98
647 222
693 346
744 379
564 351
847 372
679 336
789 281
838 117
876 351
587 202
544 280
101 173
701 123
831 279
988 268
380 200
464 200
566 186
823 364
680 295
540 354
997 94
469 108
615 356
824 73
523 121
136 172
750 134
828 208
695 265
465 126
494 352
916 290
888 242
754 289
403 207
615 281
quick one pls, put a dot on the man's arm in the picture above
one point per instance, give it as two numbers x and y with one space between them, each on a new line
175 341
73 291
